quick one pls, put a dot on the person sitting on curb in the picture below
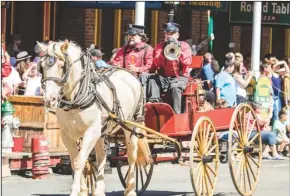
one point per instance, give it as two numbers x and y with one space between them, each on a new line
268 137
279 128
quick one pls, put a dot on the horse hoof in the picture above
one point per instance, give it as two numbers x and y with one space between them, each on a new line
131 193
74 194
99 192
83 194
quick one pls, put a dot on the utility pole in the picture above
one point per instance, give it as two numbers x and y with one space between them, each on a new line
139 13
256 40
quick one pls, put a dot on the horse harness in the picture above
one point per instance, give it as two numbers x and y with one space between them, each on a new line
87 94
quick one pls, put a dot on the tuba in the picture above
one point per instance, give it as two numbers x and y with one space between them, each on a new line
172 51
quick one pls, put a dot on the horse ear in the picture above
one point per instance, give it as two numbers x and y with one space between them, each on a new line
64 46
42 47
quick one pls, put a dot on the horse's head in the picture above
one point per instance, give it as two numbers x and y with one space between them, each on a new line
56 69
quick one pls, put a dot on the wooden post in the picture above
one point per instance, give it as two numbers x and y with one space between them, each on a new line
98 27
117 28
133 16
287 41
270 39
54 20
154 28
3 24
46 20
12 17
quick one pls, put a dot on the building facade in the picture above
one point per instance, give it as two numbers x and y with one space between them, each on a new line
38 21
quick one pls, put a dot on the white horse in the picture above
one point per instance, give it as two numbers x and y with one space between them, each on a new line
63 68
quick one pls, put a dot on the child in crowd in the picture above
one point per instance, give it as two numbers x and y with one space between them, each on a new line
33 81
279 128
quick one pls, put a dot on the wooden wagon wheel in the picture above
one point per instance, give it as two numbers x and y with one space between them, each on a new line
245 149
204 157
89 173
143 174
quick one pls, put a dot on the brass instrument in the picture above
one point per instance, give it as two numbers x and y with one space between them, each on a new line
172 51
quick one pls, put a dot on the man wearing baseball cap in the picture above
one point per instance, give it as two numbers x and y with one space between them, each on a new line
97 59
174 74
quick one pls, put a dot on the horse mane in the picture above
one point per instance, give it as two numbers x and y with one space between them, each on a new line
54 49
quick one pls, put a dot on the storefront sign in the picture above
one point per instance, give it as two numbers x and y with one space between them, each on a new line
112 4
272 12
204 5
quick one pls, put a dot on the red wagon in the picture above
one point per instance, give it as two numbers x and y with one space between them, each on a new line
193 137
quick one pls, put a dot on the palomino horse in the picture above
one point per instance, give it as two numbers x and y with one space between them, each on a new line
82 98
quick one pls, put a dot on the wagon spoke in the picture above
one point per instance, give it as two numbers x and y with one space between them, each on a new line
212 148
248 175
212 171
244 121
241 174
237 150
237 140
244 177
199 143
201 185
206 141
209 179
253 139
251 129
239 166
204 186
198 152
251 170
210 139
253 160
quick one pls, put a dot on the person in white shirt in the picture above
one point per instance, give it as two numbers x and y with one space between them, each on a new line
241 83
33 81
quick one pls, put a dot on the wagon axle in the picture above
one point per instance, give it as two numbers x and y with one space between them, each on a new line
207 159
248 149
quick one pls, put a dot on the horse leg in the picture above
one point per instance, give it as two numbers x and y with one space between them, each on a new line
132 146
90 138
71 146
101 162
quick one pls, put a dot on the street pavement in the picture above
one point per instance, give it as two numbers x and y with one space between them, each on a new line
167 180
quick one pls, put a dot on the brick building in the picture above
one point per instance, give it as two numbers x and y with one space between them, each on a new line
105 27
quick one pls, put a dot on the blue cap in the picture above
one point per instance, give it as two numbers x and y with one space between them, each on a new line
135 29
171 27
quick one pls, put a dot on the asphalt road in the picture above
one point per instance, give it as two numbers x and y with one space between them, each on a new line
167 180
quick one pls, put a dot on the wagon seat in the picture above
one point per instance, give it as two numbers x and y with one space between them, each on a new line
161 117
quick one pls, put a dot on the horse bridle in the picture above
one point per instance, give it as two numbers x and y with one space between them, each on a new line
66 69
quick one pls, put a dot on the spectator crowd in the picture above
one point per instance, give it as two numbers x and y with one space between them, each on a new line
225 84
